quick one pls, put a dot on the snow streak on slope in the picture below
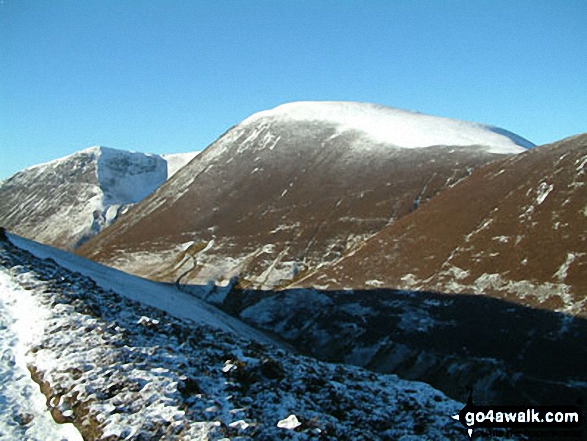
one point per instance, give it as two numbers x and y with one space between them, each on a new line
398 127
118 368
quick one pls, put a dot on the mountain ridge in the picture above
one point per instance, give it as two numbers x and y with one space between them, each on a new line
273 198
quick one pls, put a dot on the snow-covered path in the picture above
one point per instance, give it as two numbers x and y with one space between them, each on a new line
23 411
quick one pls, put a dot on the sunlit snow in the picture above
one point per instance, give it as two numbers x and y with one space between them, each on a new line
398 127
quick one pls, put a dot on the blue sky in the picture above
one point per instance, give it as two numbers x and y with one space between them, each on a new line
171 76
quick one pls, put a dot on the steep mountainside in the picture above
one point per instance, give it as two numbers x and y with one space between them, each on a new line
515 229
503 351
292 188
117 368
68 200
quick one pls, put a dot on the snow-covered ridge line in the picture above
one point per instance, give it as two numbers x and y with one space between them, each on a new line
174 161
397 127
119 368
92 150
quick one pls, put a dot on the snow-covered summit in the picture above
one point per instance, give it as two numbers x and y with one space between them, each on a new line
397 127
129 177
108 156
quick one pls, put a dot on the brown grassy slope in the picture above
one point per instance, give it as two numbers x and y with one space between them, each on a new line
516 228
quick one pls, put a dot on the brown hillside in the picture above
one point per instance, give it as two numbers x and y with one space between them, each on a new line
515 229
275 198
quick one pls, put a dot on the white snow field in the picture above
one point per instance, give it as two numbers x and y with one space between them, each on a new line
118 368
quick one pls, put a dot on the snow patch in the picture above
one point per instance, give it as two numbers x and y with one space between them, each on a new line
409 280
543 191
581 164
524 288
561 274
284 227
374 283
290 423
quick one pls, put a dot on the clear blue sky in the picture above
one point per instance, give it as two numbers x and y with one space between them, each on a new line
171 76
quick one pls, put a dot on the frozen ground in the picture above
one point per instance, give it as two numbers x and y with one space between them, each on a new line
23 410
163 297
117 368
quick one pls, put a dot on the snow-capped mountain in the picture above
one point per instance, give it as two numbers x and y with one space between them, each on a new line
68 200
514 229
115 367
402 128
292 188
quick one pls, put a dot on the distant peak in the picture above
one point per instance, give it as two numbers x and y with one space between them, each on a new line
98 151
94 148
101 148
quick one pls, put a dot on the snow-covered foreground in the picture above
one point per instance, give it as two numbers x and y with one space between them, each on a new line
23 410
119 369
